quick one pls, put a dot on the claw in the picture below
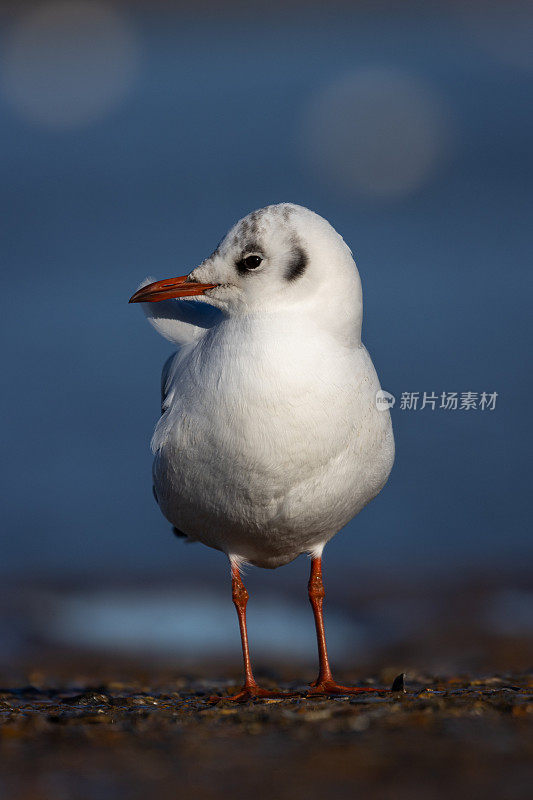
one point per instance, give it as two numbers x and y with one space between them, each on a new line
325 688
250 693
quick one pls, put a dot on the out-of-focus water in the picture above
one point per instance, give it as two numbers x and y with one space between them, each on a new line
197 624
212 119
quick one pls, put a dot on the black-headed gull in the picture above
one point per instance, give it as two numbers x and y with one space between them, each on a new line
270 438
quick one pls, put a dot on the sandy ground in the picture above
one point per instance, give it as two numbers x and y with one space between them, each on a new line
91 736
91 725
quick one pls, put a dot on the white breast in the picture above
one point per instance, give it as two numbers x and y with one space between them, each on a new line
271 441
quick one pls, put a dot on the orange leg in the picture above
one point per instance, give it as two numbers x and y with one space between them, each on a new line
250 690
324 684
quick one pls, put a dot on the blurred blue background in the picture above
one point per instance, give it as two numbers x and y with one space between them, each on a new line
133 136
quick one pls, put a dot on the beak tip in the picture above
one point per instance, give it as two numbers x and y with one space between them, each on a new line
169 289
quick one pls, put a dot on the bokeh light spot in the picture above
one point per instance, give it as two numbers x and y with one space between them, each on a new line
65 64
378 133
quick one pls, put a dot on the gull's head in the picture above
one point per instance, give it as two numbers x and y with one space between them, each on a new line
281 256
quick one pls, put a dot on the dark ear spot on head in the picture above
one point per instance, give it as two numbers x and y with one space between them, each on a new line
297 264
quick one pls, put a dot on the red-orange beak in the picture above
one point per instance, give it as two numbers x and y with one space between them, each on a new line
170 288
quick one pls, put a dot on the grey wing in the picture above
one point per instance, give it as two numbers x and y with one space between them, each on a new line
180 321
164 379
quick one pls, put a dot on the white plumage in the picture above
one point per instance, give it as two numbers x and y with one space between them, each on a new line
270 440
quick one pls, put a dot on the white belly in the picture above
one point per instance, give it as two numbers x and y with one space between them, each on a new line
266 455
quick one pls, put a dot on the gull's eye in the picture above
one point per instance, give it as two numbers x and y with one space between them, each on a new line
248 263
251 262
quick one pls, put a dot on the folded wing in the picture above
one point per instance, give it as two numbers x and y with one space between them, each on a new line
180 321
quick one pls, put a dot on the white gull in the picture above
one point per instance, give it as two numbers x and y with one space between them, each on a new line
270 438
